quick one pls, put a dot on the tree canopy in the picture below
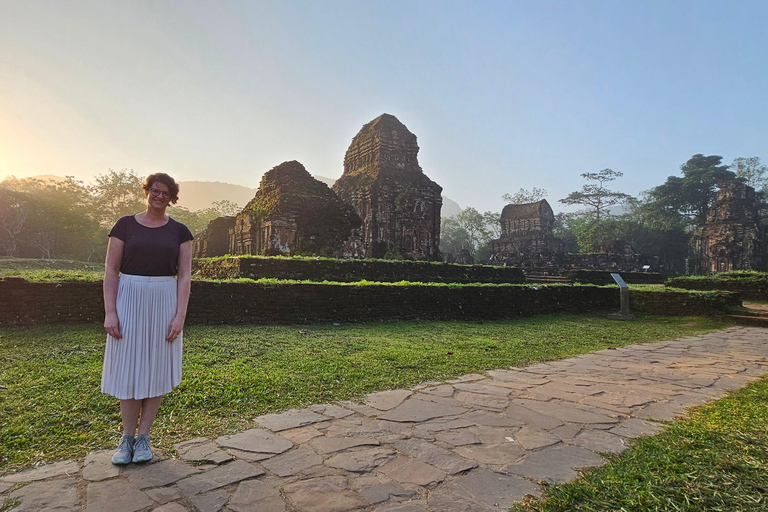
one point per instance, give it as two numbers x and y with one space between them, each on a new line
594 196
524 196
690 196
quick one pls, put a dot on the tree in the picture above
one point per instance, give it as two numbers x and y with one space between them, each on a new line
492 222
751 171
469 230
688 199
196 221
595 197
227 208
524 196
58 218
13 215
117 194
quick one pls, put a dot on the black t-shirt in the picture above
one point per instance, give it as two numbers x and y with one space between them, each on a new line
150 251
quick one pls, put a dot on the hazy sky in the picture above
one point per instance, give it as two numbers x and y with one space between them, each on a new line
501 95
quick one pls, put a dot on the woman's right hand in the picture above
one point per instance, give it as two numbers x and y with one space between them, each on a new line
112 325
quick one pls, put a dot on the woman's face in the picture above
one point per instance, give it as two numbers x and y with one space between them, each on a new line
158 195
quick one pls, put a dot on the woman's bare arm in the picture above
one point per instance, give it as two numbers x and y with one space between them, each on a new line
183 285
111 274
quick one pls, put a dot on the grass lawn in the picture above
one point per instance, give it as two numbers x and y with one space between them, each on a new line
714 460
53 409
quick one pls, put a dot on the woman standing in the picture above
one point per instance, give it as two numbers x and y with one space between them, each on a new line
146 292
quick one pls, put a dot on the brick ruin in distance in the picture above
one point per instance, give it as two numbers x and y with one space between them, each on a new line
527 241
733 236
383 205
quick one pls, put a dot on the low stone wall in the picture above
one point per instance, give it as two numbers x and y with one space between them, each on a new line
602 277
754 289
31 303
349 271
681 303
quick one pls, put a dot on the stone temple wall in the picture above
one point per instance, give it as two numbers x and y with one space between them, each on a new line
34 303
291 213
526 232
733 237
398 204
214 240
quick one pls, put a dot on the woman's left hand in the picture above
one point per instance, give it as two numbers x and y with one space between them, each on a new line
177 325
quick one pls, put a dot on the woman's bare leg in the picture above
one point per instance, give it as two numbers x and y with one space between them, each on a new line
149 408
129 410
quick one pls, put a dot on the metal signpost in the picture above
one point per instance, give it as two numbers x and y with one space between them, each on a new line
624 293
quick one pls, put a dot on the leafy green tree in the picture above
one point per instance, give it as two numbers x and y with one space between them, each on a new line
492 222
116 194
469 230
14 209
196 221
227 208
58 219
453 237
687 199
524 196
752 171
597 199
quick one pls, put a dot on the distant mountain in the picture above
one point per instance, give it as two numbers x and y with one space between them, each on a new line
48 177
325 179
198 195
450 208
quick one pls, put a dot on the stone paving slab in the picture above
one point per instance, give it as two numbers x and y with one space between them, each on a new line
386 400
361 461
477 443
482 490
115 495
292 418
160 474
325 494
219 477
98 466
201 450
415 411
256 440
64 468
293 462
59 495
255 496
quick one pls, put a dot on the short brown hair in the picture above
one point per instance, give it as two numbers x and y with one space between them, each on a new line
173 187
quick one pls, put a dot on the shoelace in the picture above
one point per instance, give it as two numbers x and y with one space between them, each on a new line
125 445
142 443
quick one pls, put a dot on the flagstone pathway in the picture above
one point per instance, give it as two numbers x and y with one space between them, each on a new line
477 443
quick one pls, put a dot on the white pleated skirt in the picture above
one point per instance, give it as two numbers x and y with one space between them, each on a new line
142 364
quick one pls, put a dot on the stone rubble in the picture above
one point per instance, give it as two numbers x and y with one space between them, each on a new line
479 442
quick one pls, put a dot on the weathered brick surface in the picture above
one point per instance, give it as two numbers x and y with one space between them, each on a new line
347 271
29 303
753 288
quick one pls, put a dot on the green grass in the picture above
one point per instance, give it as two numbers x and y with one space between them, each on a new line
34 269
53 409
8 264
715 460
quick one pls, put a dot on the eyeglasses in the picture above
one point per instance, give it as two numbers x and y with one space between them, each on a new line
156 193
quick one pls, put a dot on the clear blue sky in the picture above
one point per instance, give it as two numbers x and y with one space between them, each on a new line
501 95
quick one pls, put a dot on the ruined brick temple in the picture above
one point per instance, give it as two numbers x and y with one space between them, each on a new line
526 229
527 241
382 184
733 237
291 213
214 240
398 204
